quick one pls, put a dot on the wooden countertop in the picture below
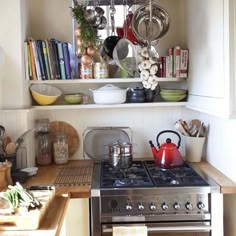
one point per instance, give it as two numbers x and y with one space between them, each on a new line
47 174
53 221
227 186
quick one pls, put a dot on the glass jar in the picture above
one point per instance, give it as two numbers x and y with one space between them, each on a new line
60 146
100 70
42 126
43 149
86 71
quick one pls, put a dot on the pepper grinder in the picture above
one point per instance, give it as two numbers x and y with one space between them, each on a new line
8 165
3 182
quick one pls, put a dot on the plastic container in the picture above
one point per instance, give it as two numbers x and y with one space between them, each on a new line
60 147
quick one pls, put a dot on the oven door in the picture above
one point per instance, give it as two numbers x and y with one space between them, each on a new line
166 229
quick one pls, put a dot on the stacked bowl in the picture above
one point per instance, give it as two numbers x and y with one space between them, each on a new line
173 95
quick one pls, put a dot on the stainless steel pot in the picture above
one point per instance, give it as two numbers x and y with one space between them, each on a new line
121 161
120 154
120 148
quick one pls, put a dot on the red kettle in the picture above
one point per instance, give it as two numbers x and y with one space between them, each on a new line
168 155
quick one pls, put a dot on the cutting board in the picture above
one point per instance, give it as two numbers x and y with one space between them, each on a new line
28 220
70 131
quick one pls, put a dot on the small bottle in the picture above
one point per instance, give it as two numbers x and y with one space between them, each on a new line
60 146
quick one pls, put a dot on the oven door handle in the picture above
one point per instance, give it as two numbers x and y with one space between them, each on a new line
169 229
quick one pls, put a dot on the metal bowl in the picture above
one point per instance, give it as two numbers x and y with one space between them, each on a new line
150 31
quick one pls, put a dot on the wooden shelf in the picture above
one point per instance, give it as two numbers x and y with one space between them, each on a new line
99 106
100 81
108 80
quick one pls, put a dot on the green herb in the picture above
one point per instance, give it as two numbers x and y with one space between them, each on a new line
88 35
17 196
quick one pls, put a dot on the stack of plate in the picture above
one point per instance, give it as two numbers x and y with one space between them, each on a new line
173 95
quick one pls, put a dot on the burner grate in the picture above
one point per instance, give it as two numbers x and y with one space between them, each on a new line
179 176
135 176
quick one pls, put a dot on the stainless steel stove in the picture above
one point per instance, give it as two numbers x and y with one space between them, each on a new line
168 201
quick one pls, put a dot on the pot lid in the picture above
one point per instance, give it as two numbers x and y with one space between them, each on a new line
120 143
97 139
108 87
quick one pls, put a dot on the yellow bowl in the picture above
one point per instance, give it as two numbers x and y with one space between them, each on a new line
45 94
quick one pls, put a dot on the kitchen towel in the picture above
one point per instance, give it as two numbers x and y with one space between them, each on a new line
129 231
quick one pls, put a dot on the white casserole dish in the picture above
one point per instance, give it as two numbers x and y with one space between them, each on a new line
109 94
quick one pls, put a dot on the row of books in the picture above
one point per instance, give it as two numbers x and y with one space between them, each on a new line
174 63
48 59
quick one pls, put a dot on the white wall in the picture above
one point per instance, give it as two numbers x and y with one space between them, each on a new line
220 153
145 123
11 73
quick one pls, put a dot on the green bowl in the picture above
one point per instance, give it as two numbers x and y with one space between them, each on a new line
73 98
174 91
173 98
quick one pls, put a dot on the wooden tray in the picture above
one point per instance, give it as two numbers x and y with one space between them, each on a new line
28 220
70 131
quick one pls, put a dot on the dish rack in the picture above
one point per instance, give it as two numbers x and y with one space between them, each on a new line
96 140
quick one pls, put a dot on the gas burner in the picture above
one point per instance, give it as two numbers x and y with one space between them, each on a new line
179 176
122 182
135 176
147 174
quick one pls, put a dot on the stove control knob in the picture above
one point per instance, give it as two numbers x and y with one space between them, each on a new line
189 206
152 207
128 207
140 206
113 203
176 206
164 206
200 205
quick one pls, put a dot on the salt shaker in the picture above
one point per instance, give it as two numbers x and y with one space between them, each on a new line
60 146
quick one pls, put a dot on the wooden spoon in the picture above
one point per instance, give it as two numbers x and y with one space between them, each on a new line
10 148
5 141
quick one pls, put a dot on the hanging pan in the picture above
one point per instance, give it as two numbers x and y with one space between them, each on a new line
159 23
